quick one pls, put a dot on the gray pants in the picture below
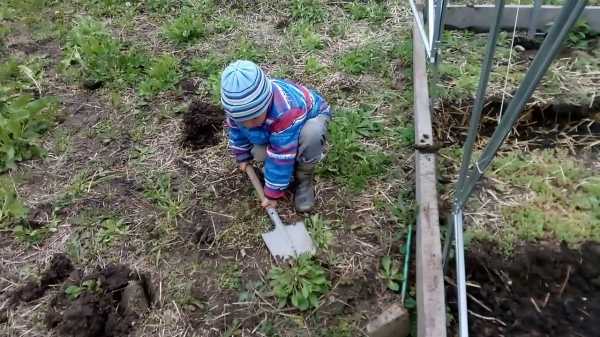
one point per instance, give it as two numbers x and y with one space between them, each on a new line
311 143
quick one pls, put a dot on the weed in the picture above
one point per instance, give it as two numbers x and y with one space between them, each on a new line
214 85
96 57
230 277
12 209
300 284
580 35
22 122
349 160
74 291
313 67
159 190
186 28
308 39
311 11
368 58
320 231
224 24
245 49
163 75
112 229
390 273
206 66
373 11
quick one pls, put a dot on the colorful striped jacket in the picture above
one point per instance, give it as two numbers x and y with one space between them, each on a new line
292 105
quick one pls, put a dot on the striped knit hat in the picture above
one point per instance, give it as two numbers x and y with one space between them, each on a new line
245 90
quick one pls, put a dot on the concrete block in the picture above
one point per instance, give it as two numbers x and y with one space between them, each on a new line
392 322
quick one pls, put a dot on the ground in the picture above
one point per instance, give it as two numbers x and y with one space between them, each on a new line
134 170
122 193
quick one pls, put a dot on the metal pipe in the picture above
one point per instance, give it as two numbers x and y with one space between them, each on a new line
546 54
484 78
533 19
430 22
440 23
420 27
461 282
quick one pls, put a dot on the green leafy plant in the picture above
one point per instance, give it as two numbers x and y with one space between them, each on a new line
245 49
11 208
206 66
349 161
312 66
319 231
186 28
373 11
22 122
163 75
111 229
311 11
368 58
74 291
224 24
159 190
580 35
300 284
390 273
305 35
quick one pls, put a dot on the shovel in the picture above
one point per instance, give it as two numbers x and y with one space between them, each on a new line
283 241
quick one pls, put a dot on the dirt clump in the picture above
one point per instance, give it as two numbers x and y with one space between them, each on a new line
202 125
107 304
540 291
59 269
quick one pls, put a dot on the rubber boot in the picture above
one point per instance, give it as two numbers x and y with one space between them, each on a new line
304 196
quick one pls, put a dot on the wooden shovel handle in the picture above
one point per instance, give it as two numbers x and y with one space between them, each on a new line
255 182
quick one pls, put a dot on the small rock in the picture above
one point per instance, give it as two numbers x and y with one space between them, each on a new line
519 48
392 322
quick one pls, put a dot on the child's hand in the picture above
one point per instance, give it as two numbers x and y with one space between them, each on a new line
268 203
243 166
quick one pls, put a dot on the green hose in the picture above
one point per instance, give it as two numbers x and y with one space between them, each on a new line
406 263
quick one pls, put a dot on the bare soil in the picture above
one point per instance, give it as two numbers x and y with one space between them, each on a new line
59 269
202 125
542 290
104 311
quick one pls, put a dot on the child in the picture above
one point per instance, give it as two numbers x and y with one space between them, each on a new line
279 122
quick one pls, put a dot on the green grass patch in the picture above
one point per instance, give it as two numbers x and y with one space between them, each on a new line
373 57
564 203
246 49
349 160
163 75
12 209
186 28
310 11
94 55
304 35
160 191
373 11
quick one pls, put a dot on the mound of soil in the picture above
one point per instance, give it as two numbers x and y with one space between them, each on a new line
111 299
59 269
202 124
540 291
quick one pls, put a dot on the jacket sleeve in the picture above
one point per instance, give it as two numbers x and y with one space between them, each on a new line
281 154
239 144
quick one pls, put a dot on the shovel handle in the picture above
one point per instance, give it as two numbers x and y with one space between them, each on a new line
261 195
255 182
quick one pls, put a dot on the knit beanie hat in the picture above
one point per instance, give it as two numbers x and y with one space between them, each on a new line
245 90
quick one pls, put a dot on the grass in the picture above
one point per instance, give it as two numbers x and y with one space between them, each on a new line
559 199
374 12
309 11
163 75
12 209
350 161
159 190
186 28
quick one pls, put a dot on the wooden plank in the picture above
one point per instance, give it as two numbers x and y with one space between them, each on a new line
431 307
478 17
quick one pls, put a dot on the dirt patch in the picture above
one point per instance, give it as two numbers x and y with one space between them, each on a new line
202 125
540 291
539 126
105 303
59 269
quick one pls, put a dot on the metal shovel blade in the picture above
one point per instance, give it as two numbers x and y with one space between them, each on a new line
287 241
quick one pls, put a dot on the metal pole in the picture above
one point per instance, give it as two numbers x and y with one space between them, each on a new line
484 77
461 282
420 27
430 23
533 19
546 54
440 17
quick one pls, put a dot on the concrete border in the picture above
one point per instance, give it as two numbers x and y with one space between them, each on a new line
479 17
431 304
